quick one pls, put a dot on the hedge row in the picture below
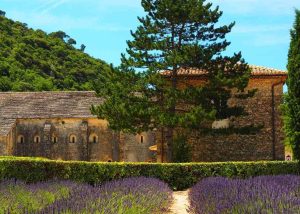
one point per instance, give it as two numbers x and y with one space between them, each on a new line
178 176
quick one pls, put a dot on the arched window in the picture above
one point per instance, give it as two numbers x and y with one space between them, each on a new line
142 139
37 139
93 138
21 139
54 139
73 138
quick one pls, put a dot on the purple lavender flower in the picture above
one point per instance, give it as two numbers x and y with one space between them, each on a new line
265 194
129 195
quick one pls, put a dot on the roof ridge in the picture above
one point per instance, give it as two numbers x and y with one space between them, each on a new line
256 70
267 68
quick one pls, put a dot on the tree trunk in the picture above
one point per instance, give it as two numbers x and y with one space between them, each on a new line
169 139
170 130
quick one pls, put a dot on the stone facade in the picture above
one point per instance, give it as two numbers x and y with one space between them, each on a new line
59 125
70 133
263 109
76 139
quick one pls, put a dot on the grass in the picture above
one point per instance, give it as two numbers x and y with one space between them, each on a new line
127 196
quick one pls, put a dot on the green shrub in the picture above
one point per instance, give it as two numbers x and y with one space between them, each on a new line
178 175
181 150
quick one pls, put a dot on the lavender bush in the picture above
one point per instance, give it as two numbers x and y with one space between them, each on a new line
130 195
265 194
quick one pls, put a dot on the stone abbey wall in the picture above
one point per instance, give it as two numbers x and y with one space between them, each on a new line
88 138
235 147
76 139
135 148
258 146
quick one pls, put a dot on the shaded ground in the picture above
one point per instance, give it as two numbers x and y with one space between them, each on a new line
180 203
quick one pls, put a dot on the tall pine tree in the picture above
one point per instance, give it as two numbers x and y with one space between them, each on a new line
173 36
293 98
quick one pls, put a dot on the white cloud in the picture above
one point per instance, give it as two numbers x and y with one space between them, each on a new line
240 29
52 4
64 22
270 40
262 7
120 3
262 35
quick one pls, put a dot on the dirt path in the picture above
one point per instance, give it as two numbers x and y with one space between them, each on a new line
180 203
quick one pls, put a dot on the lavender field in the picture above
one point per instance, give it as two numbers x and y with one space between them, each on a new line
131 195
265 194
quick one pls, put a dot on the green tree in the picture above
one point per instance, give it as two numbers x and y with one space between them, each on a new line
181 150
72 41
60 34
32 60
82 47
2 13
174 35
292 126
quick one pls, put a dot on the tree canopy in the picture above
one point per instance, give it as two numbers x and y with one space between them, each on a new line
174 35
32 60
292 125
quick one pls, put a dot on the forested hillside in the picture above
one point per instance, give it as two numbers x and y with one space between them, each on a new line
32 60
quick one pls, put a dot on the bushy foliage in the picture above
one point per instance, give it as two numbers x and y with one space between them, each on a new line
130 195
265 194
292 109
171 37
178 175
32 60
181 150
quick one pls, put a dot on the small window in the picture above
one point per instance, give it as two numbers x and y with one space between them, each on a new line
142 139
93 138
37 139
54 139
21 139
73 139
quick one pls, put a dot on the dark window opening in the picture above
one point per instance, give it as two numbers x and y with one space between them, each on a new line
72 139
94 139
142 139
37 139
21 139
54 139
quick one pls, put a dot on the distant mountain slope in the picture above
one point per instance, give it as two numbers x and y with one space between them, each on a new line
32 60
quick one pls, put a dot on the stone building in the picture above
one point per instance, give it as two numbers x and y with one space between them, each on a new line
59 125
263 109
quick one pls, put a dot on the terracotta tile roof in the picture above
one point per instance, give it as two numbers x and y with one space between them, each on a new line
256 71
264 71
35 105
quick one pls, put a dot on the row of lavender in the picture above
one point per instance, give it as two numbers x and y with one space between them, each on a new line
265 194
131 195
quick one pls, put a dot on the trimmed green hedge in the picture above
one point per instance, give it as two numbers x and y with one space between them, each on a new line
178 176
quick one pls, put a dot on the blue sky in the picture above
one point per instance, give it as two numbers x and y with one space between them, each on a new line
261 31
